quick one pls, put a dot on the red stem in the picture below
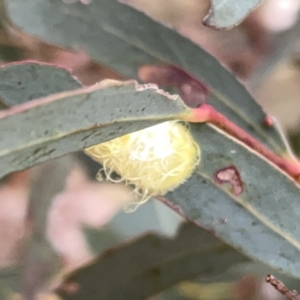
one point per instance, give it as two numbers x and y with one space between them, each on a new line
206 113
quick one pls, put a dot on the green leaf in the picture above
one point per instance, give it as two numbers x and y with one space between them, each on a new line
283 45
260 220
10 278
124 40
9 53
22 82
101 239
250 267
25 81
153 216
70 121
9 48
225 14
148 265
39 258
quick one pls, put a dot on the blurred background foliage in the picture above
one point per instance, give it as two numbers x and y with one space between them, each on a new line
51 216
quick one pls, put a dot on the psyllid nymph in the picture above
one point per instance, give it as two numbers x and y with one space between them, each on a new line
155 160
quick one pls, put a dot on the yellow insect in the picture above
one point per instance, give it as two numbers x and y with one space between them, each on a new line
155 160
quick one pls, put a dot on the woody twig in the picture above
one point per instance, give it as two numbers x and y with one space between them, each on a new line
281 288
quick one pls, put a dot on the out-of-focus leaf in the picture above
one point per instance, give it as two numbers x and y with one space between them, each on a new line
66 122
261 220
206 291
10 278
153 216
125 40
225 14
40 260
253 269
191 290
294 138
101 239
283 46
9 53
148 265
22 82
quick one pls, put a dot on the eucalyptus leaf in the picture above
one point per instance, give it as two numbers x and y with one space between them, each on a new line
70 121
261 219
283 47
152 263
10 278
251 268
124 40
23 82
225 14
153 216
9 52
39 259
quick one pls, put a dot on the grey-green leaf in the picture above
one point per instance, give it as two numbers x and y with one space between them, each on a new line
70 121
124 40
260 219
10 278
225 14
152 263
22 82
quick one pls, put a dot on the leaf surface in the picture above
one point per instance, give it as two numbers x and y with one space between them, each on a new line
23 82
225 14
66 122
152 263
261 220
125 40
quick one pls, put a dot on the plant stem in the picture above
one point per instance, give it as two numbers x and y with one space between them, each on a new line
206 113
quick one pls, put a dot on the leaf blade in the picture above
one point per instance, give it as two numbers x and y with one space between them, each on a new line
35 80
96 30
229 13
260 221
81 113
147 261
